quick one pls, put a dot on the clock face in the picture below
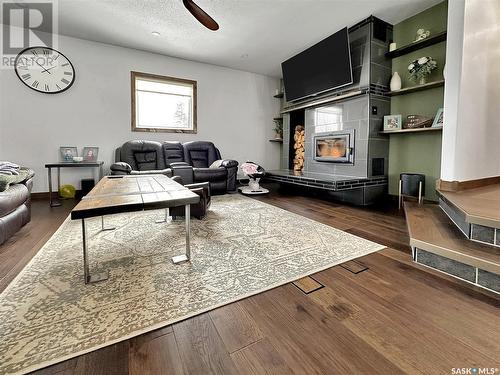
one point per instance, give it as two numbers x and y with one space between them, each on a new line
44 69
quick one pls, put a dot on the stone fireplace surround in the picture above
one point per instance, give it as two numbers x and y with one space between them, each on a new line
358 108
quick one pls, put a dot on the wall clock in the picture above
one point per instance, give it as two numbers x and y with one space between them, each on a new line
44 69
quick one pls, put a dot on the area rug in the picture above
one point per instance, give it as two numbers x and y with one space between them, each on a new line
243 247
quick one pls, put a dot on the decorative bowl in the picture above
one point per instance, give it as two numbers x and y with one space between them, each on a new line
78 159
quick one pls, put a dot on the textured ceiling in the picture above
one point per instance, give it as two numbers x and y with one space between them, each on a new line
254 35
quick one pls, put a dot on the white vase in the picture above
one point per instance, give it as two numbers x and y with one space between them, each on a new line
395 82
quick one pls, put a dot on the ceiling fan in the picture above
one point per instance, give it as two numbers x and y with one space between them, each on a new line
201 15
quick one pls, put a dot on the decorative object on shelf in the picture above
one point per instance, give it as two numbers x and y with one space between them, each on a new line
417 121
438 120
419 69
392 122
278 128
254 172
395 84
44 69
90 153
78 159
422 34
392 47
68 153
299 138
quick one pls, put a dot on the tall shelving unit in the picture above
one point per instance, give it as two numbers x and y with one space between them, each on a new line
413 150
279 117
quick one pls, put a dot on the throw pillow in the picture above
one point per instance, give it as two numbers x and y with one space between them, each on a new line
216 164
7 180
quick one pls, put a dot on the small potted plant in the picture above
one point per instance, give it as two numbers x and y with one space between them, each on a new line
419 69
278 129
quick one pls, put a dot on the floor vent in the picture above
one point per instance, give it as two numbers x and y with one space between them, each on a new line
308 285
354 266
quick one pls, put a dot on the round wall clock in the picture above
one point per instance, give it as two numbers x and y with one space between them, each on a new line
44 69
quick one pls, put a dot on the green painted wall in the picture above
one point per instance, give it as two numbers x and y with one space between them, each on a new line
418 152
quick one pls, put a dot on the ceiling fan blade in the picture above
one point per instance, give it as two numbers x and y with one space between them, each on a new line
200 15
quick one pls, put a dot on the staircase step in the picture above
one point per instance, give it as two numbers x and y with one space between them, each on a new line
475 211
438 243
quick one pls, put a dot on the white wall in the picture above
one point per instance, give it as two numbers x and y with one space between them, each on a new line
235 109
472 94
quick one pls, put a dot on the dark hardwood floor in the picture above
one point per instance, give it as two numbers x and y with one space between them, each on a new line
393 317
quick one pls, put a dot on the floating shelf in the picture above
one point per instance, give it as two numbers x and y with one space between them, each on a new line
416 130
408 90
277 140
429 41
278 119
278 96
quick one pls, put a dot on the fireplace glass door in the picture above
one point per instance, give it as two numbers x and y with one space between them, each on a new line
335 148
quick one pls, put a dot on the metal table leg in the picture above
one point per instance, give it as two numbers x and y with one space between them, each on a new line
103 228
52 203
86 271
185 257
167 217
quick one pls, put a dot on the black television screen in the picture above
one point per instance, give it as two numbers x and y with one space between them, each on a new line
322 67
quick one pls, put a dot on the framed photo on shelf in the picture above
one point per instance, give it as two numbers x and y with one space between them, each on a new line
438 120
67 153
393 122
90 153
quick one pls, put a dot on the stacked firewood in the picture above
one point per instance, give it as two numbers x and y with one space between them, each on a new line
299 138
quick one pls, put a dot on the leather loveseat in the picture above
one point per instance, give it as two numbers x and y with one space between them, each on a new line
15 207
194 162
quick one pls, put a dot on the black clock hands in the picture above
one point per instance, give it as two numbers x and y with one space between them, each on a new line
47 69
41 66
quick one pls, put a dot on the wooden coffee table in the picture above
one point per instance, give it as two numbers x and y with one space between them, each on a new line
119 194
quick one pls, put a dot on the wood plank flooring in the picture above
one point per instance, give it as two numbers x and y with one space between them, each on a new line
394 317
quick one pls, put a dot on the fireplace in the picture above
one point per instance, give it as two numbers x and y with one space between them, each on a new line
334 147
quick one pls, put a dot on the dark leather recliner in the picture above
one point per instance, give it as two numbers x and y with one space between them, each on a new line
15 207
194 162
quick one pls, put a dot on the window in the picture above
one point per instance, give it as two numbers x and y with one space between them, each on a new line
163 104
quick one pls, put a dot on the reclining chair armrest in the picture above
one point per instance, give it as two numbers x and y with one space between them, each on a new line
206 188
178 164
120 168
228 163
177 179
184 171
232 172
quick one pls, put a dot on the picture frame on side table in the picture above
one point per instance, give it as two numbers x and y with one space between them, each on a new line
393 122
90 153
438 120
67 153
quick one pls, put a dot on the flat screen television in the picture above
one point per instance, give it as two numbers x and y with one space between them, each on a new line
322 67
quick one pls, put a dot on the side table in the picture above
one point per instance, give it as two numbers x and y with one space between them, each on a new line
83 164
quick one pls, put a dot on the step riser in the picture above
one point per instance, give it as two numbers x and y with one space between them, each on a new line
486 235
471 274
456 216
474 232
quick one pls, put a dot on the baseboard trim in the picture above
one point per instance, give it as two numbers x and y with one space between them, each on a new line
453 186
44 195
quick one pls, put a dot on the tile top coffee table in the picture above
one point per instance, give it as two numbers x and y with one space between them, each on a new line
119 194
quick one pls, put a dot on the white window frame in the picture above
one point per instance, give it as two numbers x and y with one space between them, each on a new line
134 76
